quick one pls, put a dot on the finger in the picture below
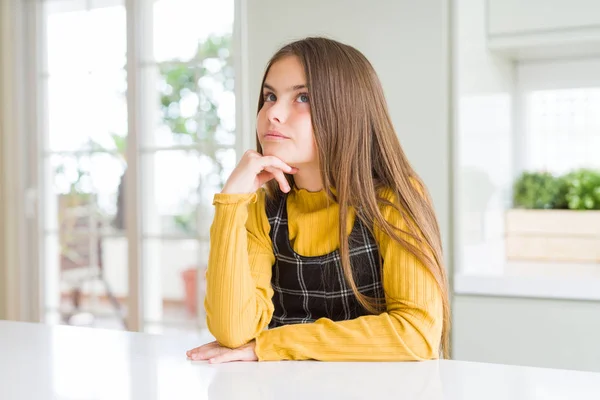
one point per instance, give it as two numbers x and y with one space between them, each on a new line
213 343
267 175
251 154
210 353
271 161
264 177
279 176
231 355
202 348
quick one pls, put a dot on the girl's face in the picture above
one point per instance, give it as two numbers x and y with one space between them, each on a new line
284 125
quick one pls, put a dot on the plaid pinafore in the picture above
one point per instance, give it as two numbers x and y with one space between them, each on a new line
309 288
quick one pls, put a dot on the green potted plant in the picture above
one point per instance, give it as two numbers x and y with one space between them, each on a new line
555 218
583 190
539 190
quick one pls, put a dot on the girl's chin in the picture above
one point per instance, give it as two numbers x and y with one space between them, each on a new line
271 151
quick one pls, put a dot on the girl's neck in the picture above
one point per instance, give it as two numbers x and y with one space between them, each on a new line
308 178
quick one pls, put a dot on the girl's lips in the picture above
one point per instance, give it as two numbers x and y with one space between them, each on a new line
275 135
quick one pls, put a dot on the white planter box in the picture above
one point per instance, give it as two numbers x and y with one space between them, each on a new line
553 235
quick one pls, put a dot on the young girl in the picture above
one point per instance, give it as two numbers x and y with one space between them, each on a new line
338 257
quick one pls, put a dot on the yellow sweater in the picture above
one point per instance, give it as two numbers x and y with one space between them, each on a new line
238 291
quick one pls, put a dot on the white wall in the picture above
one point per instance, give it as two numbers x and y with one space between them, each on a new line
536 332
406 41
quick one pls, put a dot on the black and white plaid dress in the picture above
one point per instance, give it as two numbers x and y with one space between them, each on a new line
309 288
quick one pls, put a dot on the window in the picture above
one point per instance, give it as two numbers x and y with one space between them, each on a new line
522 146
562 129
185 136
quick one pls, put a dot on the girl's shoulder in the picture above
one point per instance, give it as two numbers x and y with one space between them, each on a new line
393 208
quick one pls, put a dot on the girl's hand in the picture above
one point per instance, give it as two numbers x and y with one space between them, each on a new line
216 354
254 170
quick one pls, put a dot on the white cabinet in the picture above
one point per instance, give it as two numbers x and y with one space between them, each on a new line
522 17
525 29
534 332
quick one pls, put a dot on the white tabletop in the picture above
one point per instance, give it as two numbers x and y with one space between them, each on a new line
42 362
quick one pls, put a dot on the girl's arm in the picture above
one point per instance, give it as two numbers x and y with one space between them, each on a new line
410 329
238 280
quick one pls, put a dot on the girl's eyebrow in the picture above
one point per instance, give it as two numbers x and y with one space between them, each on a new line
290 89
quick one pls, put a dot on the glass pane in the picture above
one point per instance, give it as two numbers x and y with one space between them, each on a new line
177 190
85 252
86 279
196 20
87 181
107 27
85 259
77 37
87 111
226 161
174 283
193 103
563 129
66 41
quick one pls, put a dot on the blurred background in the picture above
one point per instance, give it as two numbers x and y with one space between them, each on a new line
120 119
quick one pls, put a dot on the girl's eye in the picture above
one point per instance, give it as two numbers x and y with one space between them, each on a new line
268 97
302 98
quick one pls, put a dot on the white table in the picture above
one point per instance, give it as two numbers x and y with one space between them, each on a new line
42 362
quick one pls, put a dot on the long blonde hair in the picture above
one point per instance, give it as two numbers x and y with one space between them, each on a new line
359 154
